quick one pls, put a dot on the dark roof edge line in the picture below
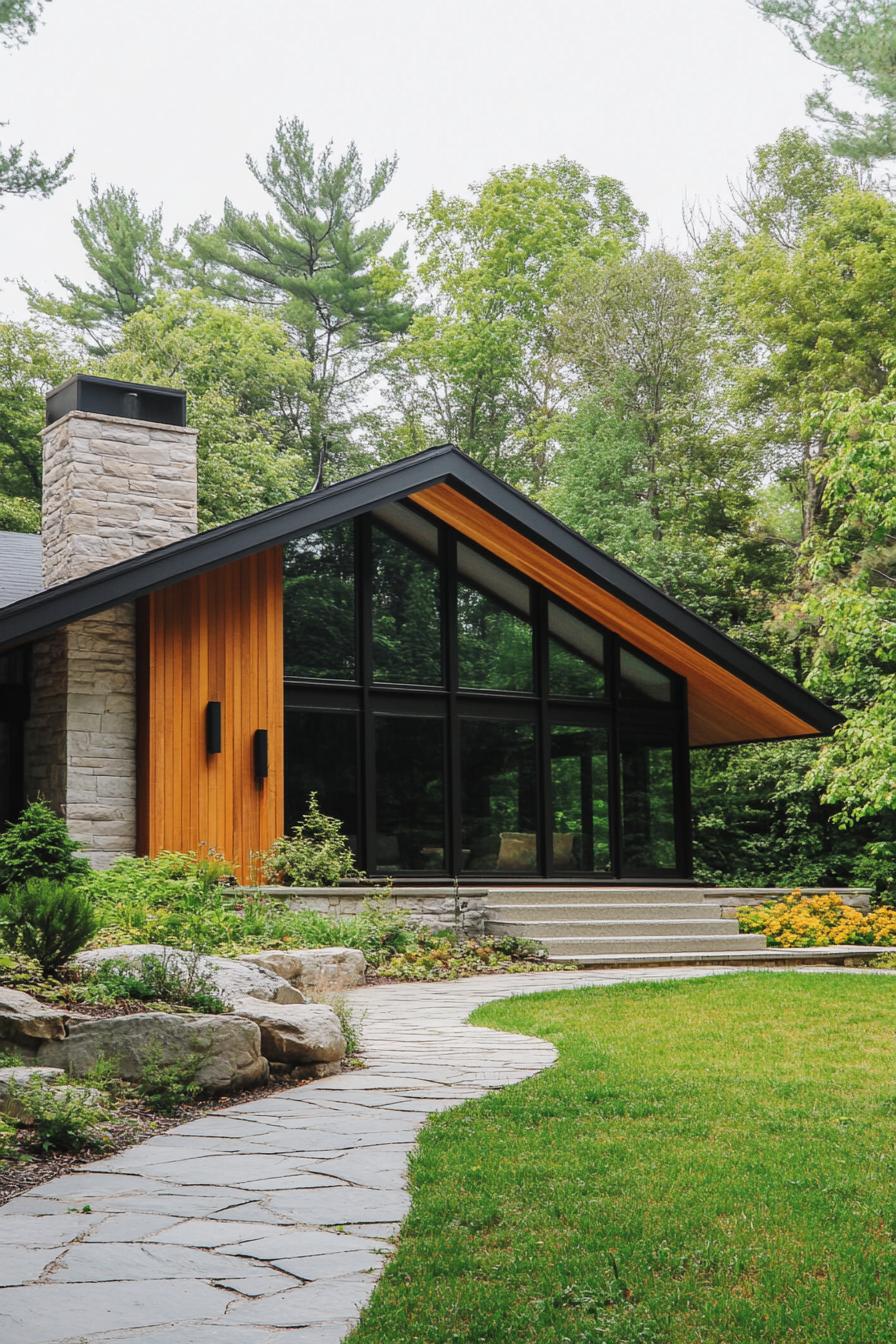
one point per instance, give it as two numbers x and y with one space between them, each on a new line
651 601
141 574
33 617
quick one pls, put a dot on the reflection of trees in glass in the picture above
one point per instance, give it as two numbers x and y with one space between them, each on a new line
575 655
494 645
648 807
498 791
319 604
407 638
410 793
571 674
580 798
321 756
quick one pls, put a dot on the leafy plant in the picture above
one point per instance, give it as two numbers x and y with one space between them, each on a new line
818 921
47 920
62 1119
38 845
167 1087
10 1058
169 978
350 1022
315 853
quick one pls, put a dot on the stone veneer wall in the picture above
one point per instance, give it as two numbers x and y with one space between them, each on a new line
113 489
435 908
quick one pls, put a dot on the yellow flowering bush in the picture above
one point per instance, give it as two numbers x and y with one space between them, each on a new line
818 921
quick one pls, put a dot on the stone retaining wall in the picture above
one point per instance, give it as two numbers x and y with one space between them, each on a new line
732 898
434 908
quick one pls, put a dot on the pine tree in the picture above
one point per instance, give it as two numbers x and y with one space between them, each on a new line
320 267
855 38
22 173
128 254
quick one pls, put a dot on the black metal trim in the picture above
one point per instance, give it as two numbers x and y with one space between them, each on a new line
38 615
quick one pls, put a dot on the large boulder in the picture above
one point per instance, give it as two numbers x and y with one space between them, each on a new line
316 971
25 1022
16 1086
230 978
296 1034
229 1047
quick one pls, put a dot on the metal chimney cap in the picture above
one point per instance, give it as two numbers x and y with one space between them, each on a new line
118 400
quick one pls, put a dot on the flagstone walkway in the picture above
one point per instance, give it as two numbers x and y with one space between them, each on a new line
274 1217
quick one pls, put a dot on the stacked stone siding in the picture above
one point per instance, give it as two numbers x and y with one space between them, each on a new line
113 489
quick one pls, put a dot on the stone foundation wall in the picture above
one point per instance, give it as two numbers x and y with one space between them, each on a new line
435 908
81 736
46 770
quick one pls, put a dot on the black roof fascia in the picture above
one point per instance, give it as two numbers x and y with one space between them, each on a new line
541 527
35 616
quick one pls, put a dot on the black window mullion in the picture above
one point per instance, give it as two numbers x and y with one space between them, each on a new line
448 565
614 773
363 579
543 734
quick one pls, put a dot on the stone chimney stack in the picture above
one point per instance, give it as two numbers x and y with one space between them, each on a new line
119 474
119 479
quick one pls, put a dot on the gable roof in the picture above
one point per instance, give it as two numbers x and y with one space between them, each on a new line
20 566
477 503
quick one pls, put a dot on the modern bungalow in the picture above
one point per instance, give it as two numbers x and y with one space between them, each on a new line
474 690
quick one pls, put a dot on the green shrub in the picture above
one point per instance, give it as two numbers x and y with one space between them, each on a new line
350 1021
62 1119
315 853
171 979
47 920
38 845
167 1087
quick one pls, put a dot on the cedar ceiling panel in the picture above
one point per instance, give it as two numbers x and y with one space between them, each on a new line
721 707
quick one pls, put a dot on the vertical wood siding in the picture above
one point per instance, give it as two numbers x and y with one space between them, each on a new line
218 636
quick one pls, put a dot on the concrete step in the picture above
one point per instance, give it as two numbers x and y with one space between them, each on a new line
499 913
541 896
841 955
572 947
547 930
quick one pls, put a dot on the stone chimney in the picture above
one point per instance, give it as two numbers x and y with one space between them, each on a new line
119 474
119 479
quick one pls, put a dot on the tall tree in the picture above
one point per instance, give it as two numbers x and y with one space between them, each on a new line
246 387
130 258
855 38
30 364
481 364
322 269
648 469
802 319
23 172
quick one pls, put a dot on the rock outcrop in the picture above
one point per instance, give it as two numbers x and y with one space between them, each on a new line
231 978
227 1047
296 1034
316 971
25 1022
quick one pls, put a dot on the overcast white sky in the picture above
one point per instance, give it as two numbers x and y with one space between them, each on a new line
167 96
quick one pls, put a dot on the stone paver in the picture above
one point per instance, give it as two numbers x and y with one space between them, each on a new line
276 1215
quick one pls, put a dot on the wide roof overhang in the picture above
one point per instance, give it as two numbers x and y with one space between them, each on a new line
733 696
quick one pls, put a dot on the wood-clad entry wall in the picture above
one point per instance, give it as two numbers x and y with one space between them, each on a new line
218 636
721 707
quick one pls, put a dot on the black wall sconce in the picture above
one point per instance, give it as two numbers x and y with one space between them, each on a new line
213 727
260 754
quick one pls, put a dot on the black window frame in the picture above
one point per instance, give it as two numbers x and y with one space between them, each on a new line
453 702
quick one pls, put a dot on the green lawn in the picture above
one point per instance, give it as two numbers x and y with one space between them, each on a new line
712 1160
